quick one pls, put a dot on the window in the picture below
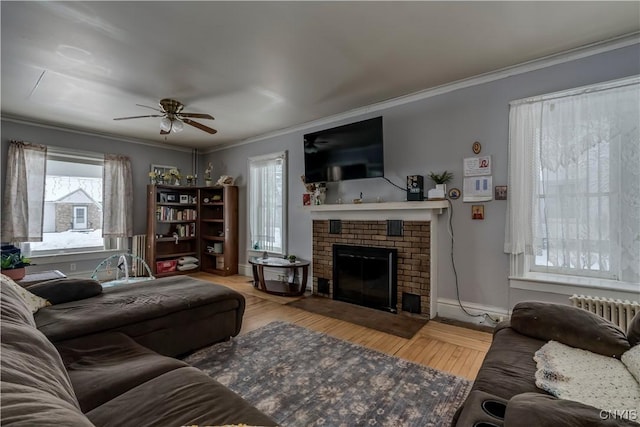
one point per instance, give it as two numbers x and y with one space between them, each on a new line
72 216
267 203
574 170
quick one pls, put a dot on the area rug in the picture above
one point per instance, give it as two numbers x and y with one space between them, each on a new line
394 324
301 378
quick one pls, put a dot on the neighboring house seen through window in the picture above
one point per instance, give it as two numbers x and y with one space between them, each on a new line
72 217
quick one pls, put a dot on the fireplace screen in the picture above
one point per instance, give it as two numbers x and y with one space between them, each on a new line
366 276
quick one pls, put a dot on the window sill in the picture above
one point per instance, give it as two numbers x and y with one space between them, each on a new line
569 285
73 256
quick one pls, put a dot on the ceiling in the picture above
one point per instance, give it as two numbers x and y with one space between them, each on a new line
259 67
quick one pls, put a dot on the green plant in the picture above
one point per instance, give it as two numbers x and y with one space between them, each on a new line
442 178
292 258
14 260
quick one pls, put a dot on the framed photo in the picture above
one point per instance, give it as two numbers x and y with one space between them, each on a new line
161 169
501 192
172 197
477 212
454 193
184 198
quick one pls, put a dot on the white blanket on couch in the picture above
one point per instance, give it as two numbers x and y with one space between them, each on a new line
589 378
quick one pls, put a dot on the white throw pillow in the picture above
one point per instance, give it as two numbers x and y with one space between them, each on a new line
34 302
631 359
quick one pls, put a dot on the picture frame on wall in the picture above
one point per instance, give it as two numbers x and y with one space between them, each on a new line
500 192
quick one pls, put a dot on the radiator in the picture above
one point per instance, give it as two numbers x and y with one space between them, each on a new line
138 249
616 311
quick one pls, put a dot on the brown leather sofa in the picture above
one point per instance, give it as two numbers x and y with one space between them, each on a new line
99 374
504 392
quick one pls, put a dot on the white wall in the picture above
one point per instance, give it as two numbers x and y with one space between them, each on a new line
435 134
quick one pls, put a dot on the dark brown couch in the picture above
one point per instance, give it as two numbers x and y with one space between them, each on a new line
98 375
504 392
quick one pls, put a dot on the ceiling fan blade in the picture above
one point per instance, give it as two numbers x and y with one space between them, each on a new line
153 108
200 126
137 117
197 115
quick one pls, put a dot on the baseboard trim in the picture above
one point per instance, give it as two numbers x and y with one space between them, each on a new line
450 309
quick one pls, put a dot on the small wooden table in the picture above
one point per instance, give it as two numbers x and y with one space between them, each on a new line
293 286
41 276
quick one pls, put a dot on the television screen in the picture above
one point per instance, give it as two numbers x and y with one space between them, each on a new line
352 151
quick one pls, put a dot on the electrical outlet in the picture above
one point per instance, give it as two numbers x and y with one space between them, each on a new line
72 266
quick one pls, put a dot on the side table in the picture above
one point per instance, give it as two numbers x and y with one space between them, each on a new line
40 276
293 286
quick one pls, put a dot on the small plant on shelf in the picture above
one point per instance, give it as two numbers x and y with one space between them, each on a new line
442 178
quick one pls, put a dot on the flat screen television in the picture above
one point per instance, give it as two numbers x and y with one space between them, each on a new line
352 151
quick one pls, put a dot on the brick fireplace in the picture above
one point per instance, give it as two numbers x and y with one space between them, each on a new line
407 227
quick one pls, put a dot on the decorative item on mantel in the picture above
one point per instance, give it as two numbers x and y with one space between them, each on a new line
440 180
316 193
191 180
207 175
153 176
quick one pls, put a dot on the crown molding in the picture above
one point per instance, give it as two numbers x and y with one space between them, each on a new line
525 67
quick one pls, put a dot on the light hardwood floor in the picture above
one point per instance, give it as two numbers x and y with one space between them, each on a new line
453 349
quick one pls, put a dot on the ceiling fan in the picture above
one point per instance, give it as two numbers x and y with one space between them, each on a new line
310 142
173 117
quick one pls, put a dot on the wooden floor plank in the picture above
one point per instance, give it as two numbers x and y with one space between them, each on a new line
449 348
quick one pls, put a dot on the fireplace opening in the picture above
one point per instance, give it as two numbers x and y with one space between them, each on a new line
366 276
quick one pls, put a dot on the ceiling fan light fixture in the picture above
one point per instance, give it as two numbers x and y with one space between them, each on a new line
165 124
178 126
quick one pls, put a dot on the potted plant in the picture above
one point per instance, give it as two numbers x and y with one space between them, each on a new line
441 180
12 265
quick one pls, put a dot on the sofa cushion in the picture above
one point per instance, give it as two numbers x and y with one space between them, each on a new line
32 301
534 409
14 308
508 368
131 304
569 325
63 290
184 396
633 331
35 387
105 365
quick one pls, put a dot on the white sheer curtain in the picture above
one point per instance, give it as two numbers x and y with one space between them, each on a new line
23 200
118 197
267 192
574 172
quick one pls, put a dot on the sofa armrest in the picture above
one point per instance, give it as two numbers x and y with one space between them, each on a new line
572 326
534 409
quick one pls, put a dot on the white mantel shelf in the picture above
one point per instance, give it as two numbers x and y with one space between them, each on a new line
379 211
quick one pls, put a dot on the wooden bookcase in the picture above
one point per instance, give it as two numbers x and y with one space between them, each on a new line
172 226
218 229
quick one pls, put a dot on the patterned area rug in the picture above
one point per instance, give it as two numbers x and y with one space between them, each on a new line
302 378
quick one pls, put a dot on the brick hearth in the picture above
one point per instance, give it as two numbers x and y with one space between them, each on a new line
413 254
